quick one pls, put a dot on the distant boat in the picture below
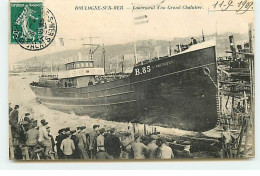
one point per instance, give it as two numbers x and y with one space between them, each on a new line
172 91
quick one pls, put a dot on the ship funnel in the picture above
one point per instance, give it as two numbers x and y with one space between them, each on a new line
232 46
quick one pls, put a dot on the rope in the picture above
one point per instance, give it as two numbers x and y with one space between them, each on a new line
212 80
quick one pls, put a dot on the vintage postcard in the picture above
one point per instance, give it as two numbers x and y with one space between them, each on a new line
131 79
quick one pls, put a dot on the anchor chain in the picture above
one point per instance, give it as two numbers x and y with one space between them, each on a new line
207 72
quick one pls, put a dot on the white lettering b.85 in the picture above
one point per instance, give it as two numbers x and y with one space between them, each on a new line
143 70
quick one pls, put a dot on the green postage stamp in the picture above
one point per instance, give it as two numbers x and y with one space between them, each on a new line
32 26
26 22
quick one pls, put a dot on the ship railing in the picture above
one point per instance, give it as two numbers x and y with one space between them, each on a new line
151 60
110 77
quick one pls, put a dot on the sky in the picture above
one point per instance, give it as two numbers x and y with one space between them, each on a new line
117 27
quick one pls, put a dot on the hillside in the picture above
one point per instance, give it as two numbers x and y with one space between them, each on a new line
114 53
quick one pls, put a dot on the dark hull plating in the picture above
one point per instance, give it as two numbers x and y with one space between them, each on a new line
178 91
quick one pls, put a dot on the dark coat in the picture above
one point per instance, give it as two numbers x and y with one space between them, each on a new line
112 145
13 117
15 126
52 142
58 140
75 140
92 140
76 154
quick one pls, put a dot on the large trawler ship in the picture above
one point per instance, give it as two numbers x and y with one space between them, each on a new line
177 90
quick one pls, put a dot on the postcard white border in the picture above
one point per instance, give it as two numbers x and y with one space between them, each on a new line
177 165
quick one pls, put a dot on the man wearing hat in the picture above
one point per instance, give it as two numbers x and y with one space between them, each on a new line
138 147
13 121
32 137
112 144
74 137
27 117
33 123
43 134
10 108
126 145
67 146
186 152
101 140
101 153
58 140
92 140
44 138
26 122
152 147
82 143
164 151
14 114
52 143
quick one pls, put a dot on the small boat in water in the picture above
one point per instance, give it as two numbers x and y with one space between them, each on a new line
177 90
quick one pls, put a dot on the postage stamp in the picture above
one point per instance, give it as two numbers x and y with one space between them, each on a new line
33 27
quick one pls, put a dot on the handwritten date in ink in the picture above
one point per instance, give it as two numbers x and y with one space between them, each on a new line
238 6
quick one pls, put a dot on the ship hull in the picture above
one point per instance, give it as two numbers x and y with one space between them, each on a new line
178 91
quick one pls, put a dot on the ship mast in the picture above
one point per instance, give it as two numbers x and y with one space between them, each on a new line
92 50
133 30
203 37
104 57
123 63
169 49
135 54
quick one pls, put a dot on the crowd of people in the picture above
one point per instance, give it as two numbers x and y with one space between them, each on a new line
83 143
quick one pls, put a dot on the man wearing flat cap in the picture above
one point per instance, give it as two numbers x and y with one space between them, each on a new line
67 146
32 137
152 147
10 108
52 139
101 140
82 143
58 140
13 121
13 117
27 117
43 131
101 153
92 140
33 123
138 147
44 138
112 144
126 145
74 137
164 151
185 153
